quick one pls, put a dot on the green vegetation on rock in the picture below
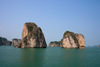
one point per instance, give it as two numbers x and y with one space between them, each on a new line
82 46
25 41
71 34
35 25
20 44
35 34
40 29
30 28
57 42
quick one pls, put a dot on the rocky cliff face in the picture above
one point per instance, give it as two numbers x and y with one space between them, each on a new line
7 43
4 42
72 40
32 37
54 44
15 42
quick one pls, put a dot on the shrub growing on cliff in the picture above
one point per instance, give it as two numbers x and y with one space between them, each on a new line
57 42
68 32
72 34
31 34
35 25
30 28
35 34
40 29
25 41
82 46
20 44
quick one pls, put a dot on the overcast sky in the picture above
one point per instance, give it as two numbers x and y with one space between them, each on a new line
53 16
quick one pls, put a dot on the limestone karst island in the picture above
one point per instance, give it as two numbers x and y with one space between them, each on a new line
54 44
49 33
4 42
33 37
70 40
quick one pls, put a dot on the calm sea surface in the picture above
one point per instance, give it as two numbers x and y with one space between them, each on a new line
49 57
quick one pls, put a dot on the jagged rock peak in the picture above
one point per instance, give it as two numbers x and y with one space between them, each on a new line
72 40
32 36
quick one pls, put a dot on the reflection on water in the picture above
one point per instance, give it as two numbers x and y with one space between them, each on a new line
49 57
32 57
74 57
52 57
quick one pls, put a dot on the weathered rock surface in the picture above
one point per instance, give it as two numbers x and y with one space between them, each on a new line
72 40
8 43
15 42
32 37
4 42
54 44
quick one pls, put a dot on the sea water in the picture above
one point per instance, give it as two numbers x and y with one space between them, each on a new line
49 57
